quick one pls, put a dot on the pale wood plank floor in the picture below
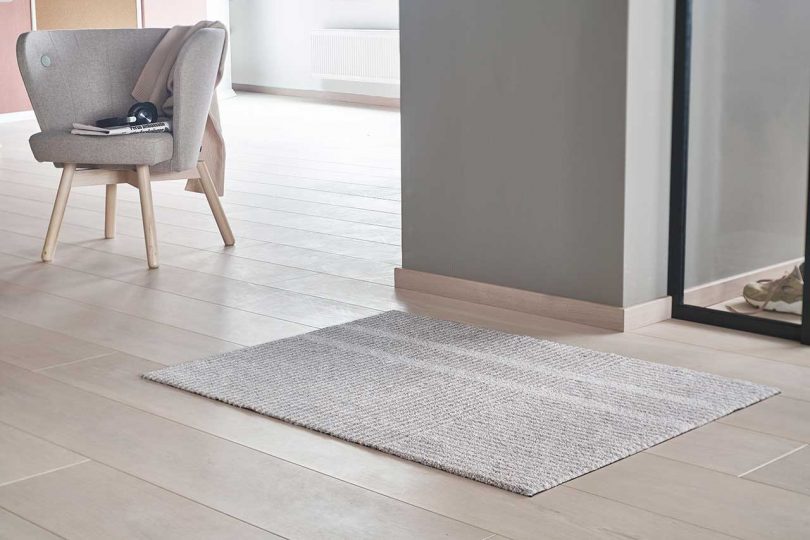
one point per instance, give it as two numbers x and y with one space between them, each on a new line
90 450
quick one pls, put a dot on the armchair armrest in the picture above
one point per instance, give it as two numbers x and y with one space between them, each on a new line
195 74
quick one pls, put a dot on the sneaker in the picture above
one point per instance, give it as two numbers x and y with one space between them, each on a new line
783 295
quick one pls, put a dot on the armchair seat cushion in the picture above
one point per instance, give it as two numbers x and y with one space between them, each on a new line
138 149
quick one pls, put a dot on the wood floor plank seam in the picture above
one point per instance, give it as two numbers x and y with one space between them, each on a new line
767 359
40 371
164 263
154 321
716 512
241 159
88 460
231 205
321 190
370 225
730 475
229 441
35 524
43 473
180 295
37 217
786 437
264 169
94 357
725 420
220 252
242 95
242 153
213 228
768 484
303 268
205 212
133 202
218 249
17 166
319 202
113 349
723 533
770 461
306 200
95 306
241 165
239 175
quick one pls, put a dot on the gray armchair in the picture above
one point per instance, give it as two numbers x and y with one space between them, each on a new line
84 75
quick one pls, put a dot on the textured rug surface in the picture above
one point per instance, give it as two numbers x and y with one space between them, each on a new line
516 412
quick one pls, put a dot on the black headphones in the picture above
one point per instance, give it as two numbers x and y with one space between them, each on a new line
141 113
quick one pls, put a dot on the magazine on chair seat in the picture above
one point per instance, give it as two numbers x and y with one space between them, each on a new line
156 127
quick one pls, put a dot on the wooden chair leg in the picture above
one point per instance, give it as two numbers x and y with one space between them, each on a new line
148 215
58 213
216 206
109 211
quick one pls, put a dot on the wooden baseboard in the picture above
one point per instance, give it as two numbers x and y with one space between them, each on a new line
621 319
320 95
648 313
731 287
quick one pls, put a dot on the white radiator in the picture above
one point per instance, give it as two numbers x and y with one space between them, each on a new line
356 55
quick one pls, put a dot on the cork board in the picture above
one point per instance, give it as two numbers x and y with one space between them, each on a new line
71 14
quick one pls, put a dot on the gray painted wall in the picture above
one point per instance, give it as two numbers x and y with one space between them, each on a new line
748 136
513 142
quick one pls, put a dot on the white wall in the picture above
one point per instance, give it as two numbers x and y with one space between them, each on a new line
270 40
650 36
219 10
162 14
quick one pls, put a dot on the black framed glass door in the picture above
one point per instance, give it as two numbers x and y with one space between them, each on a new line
739 200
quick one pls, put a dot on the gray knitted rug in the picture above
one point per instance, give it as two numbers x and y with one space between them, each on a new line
516 412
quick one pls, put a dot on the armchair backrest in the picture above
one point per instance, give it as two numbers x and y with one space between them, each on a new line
83 75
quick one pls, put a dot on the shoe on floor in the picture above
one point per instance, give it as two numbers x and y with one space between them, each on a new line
783 295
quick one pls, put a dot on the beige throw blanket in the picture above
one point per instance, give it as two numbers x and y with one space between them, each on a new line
156 83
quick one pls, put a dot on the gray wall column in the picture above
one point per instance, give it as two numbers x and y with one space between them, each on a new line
513 143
